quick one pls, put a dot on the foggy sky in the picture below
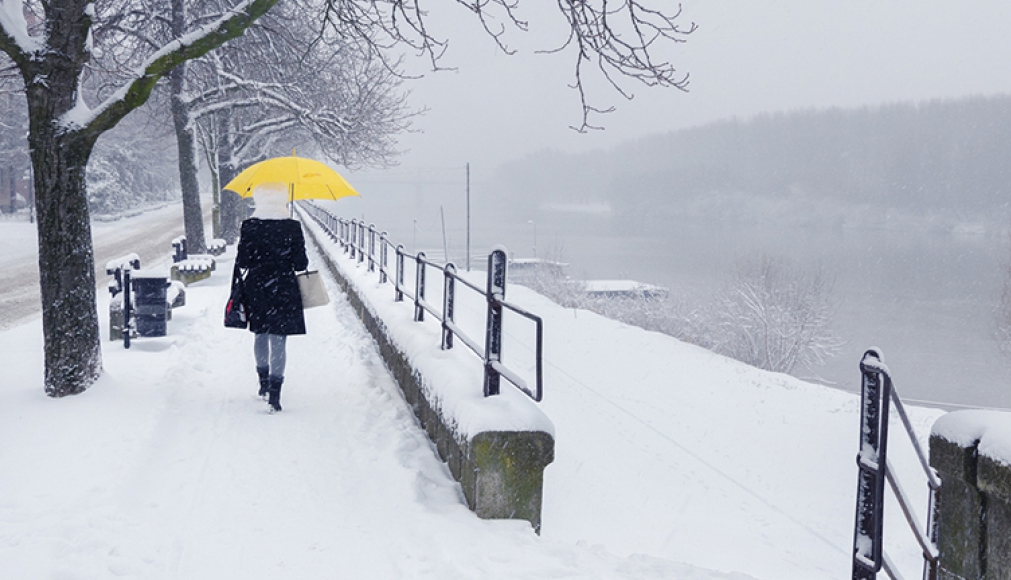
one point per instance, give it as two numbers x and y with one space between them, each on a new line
745 58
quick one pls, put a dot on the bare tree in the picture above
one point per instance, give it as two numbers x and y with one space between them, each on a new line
51 43
14 162
129 166
775 317
270 90
620 39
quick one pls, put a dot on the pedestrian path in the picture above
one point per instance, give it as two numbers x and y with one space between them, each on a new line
170 467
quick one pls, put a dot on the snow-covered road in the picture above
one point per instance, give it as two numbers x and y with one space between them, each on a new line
148 235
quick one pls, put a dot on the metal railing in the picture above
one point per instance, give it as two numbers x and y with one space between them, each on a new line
874 470
367 245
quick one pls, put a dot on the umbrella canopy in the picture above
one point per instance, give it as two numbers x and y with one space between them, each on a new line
306 179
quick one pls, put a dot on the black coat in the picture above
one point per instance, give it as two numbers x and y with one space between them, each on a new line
272 250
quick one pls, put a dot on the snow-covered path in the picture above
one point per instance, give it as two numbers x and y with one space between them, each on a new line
169 467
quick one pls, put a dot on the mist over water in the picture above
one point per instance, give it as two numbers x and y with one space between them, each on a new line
927 297
904 207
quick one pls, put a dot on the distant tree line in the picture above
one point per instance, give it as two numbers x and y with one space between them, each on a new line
928 159
131 166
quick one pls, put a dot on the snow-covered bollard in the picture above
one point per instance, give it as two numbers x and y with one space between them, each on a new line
192 269
216 247
115 268
179 249
116 317
971 450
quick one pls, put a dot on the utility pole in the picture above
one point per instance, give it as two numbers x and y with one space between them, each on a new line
445 246
468 216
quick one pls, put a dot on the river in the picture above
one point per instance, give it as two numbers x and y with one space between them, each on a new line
927 299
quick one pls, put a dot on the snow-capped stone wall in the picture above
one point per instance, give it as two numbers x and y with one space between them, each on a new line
496 447
971 450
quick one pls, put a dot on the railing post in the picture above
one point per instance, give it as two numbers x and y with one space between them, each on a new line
448 300
383 257
872 461
354 229
372 247
361 242
127 307
398 280
419 287
493 328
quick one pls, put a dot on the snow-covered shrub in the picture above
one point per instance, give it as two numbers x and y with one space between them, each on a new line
775 316
772 315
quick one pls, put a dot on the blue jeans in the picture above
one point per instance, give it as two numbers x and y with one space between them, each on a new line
270 353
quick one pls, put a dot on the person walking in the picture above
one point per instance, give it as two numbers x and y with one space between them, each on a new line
271 249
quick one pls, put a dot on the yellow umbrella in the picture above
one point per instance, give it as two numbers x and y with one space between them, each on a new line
306 179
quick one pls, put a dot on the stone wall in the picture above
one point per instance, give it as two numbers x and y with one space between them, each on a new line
501 472
974 534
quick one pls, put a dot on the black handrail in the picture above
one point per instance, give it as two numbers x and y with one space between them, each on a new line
359 242
874 471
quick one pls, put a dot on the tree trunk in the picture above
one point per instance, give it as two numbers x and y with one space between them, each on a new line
192 214
59 153
232 207
73 353
61 137
193 218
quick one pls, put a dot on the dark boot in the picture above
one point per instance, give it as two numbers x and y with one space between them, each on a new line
275 393
263 372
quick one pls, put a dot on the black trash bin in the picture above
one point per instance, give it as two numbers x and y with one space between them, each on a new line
150 307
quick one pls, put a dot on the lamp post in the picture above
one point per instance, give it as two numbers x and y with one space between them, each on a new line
531 222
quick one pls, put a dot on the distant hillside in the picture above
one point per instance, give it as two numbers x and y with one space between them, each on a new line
946 161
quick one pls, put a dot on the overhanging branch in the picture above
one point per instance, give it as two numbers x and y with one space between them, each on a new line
193 45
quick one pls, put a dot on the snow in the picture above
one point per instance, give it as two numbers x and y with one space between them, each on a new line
151 273
196 263
18 243
123 262
81 115
616 286
670 461
12 20
992 429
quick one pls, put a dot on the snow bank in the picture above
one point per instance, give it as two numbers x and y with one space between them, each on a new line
991 429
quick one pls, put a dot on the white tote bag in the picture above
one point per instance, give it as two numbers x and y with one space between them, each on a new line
310 284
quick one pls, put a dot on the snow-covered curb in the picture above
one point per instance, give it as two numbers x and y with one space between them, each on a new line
497 447
133 211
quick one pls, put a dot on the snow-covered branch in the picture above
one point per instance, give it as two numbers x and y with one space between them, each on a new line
189 46
14 37
621 40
